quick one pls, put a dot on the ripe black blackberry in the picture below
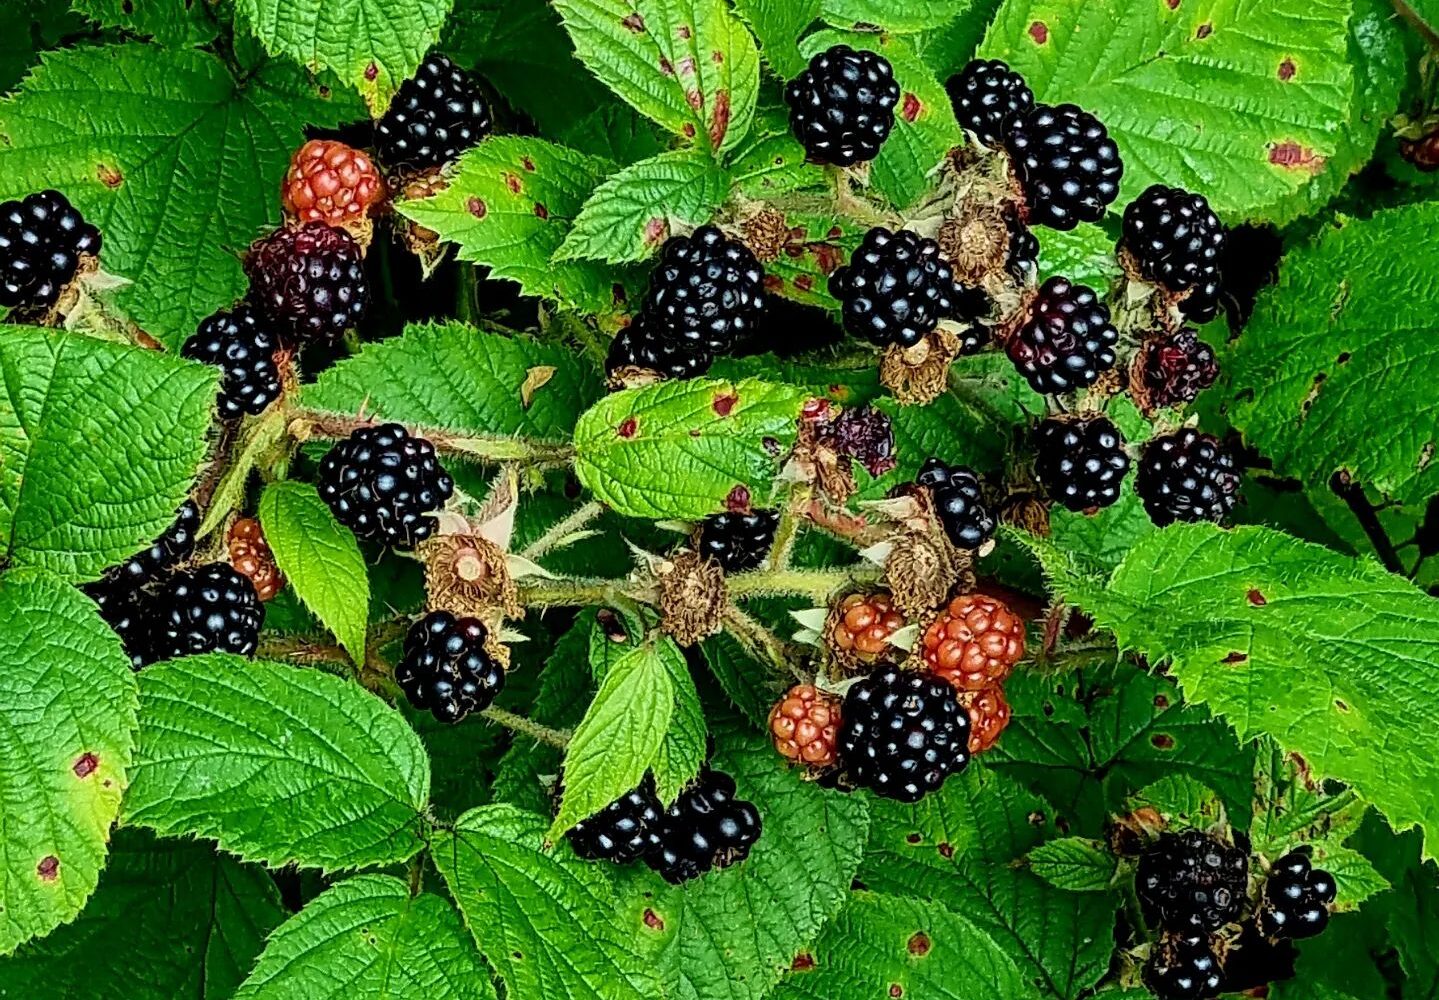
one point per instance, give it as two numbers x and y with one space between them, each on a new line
1183 967
862 434
1081 463
1022 259
737 541
1177 367
625 830
904 732
1191 882
209 609
171 548
1067 164
244 349
42 239
1178 243
707 827
706 293
895 288
308 281
1186 476
841 108
1296 898
1067 340
958 503
639 346
987 96
383 484
434 117
124 610
445 668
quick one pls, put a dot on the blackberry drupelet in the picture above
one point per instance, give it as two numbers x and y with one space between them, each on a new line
1187 476
625 830
1191 882
1066 342
1296 898
987 96
243 348
434 117
841 108
309 281
1178 243
638 346
1183 967
1177 367
1067 164
1081 463
165 552
862 434
446 669
903 733
707 827
895 288
42 239
737 541
958 503
383 485
1022 259
124 610
209 609
706 294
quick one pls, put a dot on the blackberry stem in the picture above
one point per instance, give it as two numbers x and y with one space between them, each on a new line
562 529
786 532
306 423
816 584
1353 494
761 642
557 738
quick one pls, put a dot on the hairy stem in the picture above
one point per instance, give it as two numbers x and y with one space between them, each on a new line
562 529
761 643
573 592
557 738
786 532
816 584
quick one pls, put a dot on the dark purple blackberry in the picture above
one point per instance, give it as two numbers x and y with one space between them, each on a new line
434 117
706 293
1187 476
1067 340
1178 243
625 830
244 350
904 732
1253 960
445 668
165 552
308 281
841 108
209 609
1022 260
707 827
42 239
864 435
895 288
987 96
1067 164
383 485
1177 367
737 541
1183 967
1191 882
1296 898
1081 463
639 346
124 610
958 503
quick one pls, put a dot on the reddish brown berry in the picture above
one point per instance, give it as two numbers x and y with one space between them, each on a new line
974 643
251 557
863 624
988 715
804 724
330 182
1422 152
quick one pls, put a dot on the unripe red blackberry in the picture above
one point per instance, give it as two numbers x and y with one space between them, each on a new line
1177 367
1067 164
446 668
974 643
42 241
1066 341
383 485
863 625
706 293
895 288
1186 476
1080 463
841 108
434 117
904 733
251 556
804 726
332 183
987 96
309 281
989 716
243 347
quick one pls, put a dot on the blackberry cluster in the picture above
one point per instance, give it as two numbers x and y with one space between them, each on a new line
626 830
1191 882
1081 463
383 485
244 350
1067 340
330 182
1186 476
1178 242
208 609
1184 967
903 733
121 608
1254 961
988 96
1067 164
862 627
896 288
42 239
841 108
974 643
445 667
434 117
958 502
639 346
164 553
308 281
707 827
1296 898
862 434
706 293
804 726
1177 367
737 541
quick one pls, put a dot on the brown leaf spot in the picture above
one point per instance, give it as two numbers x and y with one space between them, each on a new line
527 163
896 991
1295 157
512 181
946 850
109 176
771 446
85 765
1256 598
1286 69
1204 31
803 962
688 130
627 427
773 283
653 920
717 57
804 282
1161 701
612 625
634 23
685 31
694 99
1172 4
541 211
913 838
827 258
911 107
737 500
687 66
535 380
477 207
1235 658
667 67
919 944
724 403
1340 704
1162 741
618 294
1039 31
657 231
49 868
372 72
719 121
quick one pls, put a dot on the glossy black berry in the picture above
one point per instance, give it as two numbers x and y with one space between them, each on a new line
706 293
862 434
445 668
1296 898
308 282
639 346
1183 967
904 732
1187 476
1067 164
384 485
1081 463
737 541
841 108
208 609
1192 882
958 502
1066 342
1178 243
1022 259
987 96
42 239
895 288
1177 367
434 117
625 830
125 610
707 827
243 347
165 552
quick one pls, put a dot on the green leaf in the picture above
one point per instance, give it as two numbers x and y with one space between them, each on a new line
688 64
778 25
321 560
773 165
167 160
1181 800
169 22
750 685
169 919
914 15
633 212
98 445
1335 350
1084 254
1244 103
277 764
678 449
67 731
545 921
367 938
1074 863
373 45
